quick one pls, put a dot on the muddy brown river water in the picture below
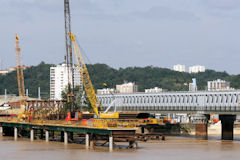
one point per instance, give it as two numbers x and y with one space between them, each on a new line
174 148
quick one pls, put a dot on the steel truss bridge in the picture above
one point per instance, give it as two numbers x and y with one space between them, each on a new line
205 102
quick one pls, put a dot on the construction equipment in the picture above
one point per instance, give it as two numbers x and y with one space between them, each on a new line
69 59
19 68
87 84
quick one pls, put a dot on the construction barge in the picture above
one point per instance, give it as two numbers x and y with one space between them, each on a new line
90 136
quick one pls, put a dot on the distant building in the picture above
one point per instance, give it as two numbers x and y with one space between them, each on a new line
153 90
11 69
59 80
193 85
196 69
179 68
219 85
4 72
106 91
127 88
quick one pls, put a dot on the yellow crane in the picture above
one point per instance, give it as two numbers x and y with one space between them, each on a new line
19 68
87 83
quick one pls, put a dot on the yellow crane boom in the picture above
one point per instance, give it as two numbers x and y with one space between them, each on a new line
87 83
19 68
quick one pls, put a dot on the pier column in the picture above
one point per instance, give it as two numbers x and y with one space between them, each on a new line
65 137
1 131
87 140
15 133
47 136
31 134
110 142
227 126
201 125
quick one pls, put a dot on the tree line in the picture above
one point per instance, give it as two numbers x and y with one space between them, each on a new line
144 77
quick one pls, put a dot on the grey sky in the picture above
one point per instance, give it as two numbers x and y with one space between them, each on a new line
124 33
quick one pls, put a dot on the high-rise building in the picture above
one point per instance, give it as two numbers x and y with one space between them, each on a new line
196 69
179 68
219 85
59 80
127 88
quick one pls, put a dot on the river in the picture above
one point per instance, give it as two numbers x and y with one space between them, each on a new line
174 148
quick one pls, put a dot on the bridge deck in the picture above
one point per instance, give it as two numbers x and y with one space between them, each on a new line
70 127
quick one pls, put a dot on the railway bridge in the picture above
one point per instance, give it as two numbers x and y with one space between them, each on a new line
199 104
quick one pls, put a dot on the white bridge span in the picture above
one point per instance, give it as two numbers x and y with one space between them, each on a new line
218 102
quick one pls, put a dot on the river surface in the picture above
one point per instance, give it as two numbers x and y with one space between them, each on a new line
174 148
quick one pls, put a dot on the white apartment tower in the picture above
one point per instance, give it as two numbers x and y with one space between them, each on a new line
179 68
59 80
196 69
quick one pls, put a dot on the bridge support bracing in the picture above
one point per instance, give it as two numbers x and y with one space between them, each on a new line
15 133
227 126
201 125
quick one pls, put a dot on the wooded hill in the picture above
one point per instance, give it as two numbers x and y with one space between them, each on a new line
144 77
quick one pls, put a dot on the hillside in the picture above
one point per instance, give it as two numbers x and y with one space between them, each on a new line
149 77
34 77
144 77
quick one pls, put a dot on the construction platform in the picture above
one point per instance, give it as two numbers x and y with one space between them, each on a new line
69 131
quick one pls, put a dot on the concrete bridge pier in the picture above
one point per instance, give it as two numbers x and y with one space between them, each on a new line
65 137
47 135
1 131
32 134
201 125
87 140
227 126
15 133
110 143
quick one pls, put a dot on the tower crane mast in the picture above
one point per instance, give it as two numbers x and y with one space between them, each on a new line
69 58
19 68
87 83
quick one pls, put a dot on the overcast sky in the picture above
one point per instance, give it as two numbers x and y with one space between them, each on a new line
125 33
